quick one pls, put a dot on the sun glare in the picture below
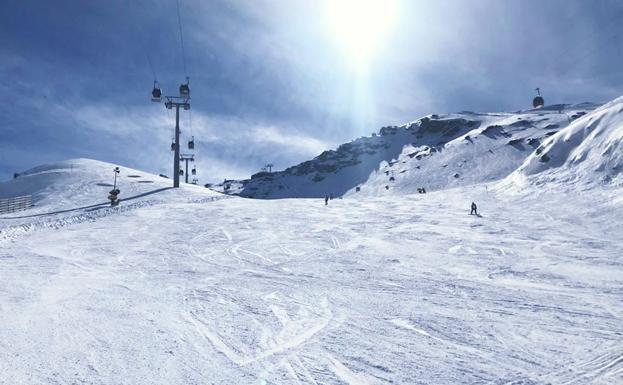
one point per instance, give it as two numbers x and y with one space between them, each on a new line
360 26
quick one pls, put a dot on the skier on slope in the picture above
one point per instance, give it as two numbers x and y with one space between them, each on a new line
474 209
326 200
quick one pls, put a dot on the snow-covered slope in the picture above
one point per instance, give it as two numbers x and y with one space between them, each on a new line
78 182
76 190
588 152
435 152
402 289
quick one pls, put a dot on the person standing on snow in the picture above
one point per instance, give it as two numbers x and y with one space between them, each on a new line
326 200
474 209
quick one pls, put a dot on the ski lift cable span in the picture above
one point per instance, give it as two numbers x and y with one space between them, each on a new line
190 121
191 142
156 96
156 92
151 66
179 23
171 124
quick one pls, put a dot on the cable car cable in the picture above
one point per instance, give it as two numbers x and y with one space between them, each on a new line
179 23
151 66
190 121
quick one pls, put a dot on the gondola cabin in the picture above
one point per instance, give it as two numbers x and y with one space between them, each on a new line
185 91
538 100
156 93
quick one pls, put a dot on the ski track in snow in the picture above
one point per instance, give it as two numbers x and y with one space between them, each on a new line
401 290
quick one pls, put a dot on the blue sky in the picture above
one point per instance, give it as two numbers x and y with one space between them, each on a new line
273 80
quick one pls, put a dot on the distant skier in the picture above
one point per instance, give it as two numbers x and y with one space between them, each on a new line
331 197
474 209
326 200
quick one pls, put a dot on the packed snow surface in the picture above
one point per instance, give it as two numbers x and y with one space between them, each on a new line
186 287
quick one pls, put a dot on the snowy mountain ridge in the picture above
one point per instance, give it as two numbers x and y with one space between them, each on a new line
434 152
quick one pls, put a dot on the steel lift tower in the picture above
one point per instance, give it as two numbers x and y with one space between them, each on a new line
183 101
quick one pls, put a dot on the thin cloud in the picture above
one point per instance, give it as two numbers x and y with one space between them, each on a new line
227 147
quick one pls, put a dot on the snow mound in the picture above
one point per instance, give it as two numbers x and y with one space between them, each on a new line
587 152
82 182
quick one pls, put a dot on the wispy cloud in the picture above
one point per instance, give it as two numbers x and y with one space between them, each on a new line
292 142
121 121
226 147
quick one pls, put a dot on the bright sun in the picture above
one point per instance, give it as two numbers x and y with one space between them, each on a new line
360 26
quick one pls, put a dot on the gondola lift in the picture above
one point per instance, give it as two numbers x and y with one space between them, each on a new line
194 171
182 172
191 143
156 93
172 145
538 100
185 89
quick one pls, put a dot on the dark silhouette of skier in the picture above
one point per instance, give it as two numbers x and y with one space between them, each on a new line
326 200
474 209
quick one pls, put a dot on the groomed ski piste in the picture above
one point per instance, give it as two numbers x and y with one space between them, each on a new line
189 286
